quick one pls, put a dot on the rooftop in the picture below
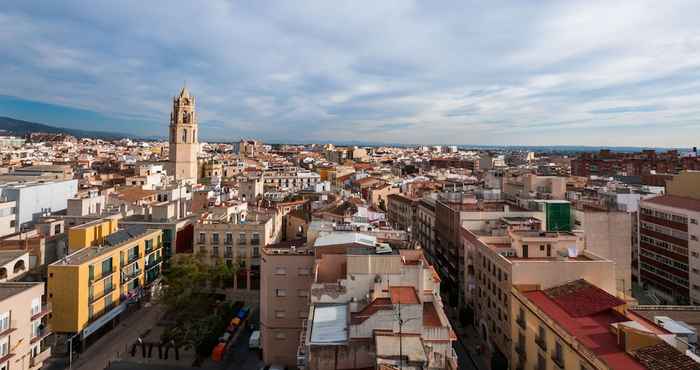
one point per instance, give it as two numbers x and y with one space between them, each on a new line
662 356
10 255
675 202
403 295
112 242
10 289
329 324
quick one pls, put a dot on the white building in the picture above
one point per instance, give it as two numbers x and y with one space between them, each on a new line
34 199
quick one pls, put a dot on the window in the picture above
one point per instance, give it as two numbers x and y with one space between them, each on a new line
303 271
558 355
4 321
280 314
241 239
107 266
36 306
215 238
525 251
280 270
256 252
541 362
36 329
255 239
694 221
281 292
228 239
202 238
57 229
4 346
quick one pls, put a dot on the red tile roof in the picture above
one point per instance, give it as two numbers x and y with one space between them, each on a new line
376 305
664 357
592 331
579 298
675 202
403 295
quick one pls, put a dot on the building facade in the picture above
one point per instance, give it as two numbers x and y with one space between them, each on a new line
184 145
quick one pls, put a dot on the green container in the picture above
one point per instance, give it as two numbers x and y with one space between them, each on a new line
558 216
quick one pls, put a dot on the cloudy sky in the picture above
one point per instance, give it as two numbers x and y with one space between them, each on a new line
610 73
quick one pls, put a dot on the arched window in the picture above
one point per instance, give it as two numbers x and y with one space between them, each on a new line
19 266
184 135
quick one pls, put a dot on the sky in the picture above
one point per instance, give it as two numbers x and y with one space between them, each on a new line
608 73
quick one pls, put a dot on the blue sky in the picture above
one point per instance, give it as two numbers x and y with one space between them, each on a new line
498 72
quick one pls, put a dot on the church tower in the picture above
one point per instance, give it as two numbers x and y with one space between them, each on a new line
184 145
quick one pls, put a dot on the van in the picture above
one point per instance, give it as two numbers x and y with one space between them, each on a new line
254 341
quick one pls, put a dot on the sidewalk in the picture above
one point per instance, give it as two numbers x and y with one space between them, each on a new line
114 344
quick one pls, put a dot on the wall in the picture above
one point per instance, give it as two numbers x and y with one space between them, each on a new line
32 199
609 235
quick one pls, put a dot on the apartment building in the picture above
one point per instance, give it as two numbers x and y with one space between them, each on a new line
92 286
532 186
23 326
375 307
91 233
576 325
234 235
401 211
517 252
34 199
669 245
452 211
291 180
287 272
424 227
8 217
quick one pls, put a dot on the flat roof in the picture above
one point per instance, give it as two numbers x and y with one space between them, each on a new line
120 238
9 289
675 202
329 324
403 295
11 255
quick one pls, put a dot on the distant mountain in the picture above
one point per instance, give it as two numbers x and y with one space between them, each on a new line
18 127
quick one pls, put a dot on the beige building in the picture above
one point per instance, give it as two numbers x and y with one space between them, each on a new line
401 211
184 145
374 307
23 327
234 234
8 217
516 252
531 186
287 273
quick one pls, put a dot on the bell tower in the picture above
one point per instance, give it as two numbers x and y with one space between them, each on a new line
184 145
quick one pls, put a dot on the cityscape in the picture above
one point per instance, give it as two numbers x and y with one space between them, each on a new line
404 221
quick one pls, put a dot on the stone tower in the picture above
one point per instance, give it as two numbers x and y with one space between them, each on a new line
184 145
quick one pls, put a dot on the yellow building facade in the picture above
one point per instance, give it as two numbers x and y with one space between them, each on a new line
90 234
97 280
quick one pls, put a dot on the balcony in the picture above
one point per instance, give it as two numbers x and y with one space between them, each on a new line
541 343
42 333
128 276
558 360
39 359
153 263
104 292
44 310
10 329
105 274
254 241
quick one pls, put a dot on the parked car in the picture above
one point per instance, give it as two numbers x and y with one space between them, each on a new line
254 341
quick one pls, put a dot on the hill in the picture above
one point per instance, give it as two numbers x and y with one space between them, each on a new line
16 127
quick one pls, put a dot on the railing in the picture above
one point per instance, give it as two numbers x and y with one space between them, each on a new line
43 311
130 275
153 263
12 327
228 254
41 334
104 292
132 259
558 360
541 343
40 357
254 241
104 275
241 241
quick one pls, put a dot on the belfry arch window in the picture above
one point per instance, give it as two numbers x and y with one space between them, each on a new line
184 135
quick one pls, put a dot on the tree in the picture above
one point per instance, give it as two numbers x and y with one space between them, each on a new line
190 294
